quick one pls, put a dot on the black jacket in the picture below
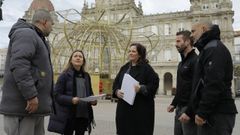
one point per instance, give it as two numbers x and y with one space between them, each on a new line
184 79
137 119
213 77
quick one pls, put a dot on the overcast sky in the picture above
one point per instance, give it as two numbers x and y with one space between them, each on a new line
14 9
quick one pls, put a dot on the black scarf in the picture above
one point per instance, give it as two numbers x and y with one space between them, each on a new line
213 33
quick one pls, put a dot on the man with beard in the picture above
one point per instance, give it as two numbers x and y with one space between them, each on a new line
183 124
212 100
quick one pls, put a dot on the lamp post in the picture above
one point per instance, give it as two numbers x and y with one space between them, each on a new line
1 2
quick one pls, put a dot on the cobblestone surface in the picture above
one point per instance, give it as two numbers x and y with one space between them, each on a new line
105 118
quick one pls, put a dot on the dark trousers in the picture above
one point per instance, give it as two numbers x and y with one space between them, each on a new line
218 124
180 128
79 125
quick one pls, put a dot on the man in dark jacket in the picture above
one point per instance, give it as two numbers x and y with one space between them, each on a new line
212 100
183 125
28 77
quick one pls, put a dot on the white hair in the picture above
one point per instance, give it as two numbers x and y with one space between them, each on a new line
205 22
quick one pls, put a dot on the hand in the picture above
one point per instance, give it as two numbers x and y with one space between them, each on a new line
137 88
119 94
170 108
184 118
93 102
32 105
199 121
75 100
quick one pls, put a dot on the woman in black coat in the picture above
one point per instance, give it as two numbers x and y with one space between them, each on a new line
136 119
72 114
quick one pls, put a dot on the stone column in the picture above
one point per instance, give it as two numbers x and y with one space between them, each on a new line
161 86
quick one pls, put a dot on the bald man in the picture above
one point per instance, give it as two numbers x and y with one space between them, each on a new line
212 99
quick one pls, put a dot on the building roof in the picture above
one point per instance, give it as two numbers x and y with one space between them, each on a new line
41 4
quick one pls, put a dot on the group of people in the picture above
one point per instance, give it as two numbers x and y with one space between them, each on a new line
203 100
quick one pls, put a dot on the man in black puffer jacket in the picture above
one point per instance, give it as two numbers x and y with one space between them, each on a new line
212 100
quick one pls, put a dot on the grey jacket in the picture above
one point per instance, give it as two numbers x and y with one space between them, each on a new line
28 72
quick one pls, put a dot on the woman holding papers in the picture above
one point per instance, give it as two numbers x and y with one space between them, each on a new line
138 118
72 114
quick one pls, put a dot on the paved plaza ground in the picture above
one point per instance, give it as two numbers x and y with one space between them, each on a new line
105 116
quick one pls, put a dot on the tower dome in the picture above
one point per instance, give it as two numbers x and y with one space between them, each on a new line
41 4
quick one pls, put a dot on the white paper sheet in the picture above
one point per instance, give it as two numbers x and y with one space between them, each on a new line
128 89
92 98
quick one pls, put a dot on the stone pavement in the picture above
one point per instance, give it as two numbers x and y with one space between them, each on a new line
105 116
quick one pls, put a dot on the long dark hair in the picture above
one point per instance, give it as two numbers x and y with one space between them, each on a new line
70 66
141 51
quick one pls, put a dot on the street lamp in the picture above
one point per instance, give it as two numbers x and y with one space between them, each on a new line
1 2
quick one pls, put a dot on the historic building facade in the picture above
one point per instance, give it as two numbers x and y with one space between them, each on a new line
236 60
164 57
3 54
155 31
